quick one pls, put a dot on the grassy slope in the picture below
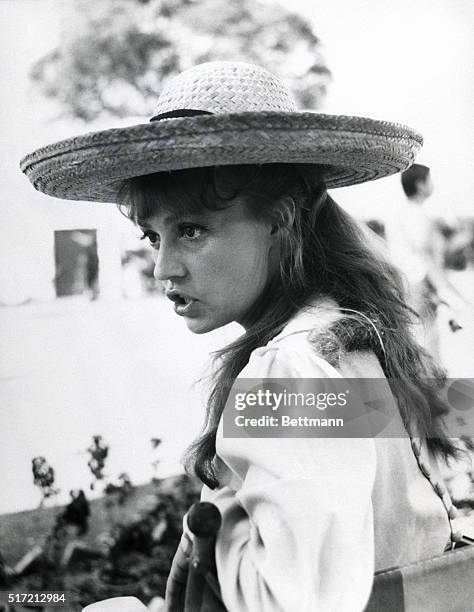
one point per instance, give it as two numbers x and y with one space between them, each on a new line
20 531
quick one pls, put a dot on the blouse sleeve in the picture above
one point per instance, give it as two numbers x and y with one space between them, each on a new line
298 533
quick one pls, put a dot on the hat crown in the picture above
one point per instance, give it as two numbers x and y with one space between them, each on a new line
225 87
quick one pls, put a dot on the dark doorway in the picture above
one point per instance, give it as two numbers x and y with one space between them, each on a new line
77 263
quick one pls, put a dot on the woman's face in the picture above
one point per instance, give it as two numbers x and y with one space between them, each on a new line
214 264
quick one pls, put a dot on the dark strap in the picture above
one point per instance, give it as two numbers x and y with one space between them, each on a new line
202 588
192 584
182 112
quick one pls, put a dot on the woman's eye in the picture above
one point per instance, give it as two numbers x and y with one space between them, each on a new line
153 237
192 232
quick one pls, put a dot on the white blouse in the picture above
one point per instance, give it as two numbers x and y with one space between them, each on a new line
307 521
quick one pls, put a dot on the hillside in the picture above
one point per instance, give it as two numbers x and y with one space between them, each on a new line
20 531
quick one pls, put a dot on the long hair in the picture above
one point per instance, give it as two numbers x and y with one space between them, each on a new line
324 254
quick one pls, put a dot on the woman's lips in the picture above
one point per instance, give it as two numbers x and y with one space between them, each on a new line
183 304
185 309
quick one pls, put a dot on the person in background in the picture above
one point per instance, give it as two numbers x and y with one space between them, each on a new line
417 245
77 512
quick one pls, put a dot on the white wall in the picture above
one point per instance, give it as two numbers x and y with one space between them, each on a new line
28 30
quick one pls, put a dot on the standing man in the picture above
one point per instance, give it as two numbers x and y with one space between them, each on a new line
418 246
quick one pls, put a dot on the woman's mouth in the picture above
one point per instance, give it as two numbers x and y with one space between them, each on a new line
182 303
184 307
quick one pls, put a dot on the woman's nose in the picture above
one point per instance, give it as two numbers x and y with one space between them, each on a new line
168 263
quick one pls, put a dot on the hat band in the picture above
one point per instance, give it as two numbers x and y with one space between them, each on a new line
182 112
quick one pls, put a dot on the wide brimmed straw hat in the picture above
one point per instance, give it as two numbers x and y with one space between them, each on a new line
216 114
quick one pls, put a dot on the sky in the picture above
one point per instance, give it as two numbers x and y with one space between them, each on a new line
407 61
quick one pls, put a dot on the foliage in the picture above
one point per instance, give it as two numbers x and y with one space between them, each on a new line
119 493
43 477
140 552
98 452
132 558
115 54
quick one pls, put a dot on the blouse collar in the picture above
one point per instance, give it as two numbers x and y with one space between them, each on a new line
320 312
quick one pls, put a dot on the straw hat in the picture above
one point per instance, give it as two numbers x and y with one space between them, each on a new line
222 113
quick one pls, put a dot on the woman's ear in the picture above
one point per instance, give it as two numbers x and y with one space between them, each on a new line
283 214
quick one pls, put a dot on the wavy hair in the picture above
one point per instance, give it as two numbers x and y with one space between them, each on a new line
325 253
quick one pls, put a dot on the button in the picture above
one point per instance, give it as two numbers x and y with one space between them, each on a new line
453 512
447 501
439 488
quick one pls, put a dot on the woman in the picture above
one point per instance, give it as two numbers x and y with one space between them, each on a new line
228 184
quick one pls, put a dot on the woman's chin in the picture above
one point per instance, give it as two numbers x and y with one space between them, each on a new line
198 325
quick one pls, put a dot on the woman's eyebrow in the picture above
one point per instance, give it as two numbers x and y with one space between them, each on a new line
143 224
175 217
168 220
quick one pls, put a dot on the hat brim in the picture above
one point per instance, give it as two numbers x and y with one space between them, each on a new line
93 167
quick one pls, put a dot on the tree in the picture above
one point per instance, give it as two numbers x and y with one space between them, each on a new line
98 452
43 477
115 54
